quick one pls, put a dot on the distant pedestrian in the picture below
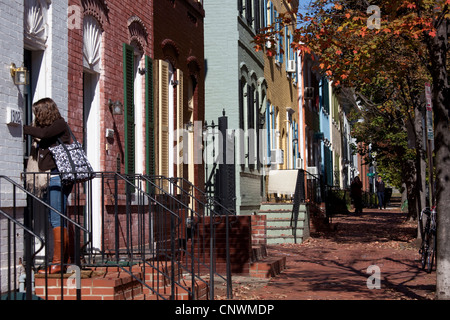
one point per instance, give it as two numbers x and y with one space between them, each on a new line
356 194
379 185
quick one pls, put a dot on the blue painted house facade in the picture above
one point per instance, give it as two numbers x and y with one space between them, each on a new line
326 162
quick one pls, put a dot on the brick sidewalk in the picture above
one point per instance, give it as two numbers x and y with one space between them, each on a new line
333 265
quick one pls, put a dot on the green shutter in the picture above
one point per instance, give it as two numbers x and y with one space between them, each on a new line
128 74
150 118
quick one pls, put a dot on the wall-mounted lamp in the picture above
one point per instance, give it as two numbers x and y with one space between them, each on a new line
115 107
20 75
174 83
189 126
262 120
142 71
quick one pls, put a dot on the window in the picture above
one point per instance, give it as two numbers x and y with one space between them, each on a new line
279 39
249 12
251 140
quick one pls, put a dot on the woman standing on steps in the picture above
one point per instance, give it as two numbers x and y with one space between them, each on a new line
49 125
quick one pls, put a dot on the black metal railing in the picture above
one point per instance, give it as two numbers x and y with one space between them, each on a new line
209 206
122 221
19 194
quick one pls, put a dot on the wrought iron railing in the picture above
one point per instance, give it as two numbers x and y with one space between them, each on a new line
123 220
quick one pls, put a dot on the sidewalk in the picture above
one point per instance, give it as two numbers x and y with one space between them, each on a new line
333 265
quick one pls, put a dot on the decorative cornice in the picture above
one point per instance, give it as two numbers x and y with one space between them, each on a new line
98 9
138 31
35 26
170 43
193 65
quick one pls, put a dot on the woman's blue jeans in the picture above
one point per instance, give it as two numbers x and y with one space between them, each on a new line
57 198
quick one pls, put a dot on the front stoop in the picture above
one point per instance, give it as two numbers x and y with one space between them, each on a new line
265 266
268 267
95 285
114 284
278 223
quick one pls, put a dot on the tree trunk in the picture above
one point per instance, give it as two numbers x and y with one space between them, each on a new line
437 47
420 188
409 180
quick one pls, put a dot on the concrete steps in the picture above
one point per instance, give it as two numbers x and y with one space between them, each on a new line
278 223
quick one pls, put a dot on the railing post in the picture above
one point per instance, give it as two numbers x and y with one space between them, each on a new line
227 244
211 254
28 245
172 258
116 219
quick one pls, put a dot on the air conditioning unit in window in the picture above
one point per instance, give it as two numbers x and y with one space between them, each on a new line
309 93
277 156
290 66
312 171
298 163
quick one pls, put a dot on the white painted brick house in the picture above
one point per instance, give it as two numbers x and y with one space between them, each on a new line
33 33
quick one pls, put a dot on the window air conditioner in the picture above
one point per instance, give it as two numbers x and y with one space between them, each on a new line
309 93
298 163
290 66
311 171
277 156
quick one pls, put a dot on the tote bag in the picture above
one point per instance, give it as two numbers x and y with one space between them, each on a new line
72 162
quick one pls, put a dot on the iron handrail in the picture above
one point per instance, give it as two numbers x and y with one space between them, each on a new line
153 198
34 197
143 199
18 223
210 199
30 258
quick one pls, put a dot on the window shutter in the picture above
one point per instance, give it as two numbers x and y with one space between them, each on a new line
163 121
248 12
128 71
180 122
268 128
150 118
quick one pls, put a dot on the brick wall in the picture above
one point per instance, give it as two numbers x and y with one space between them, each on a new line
246 232
259 230
181 23
114 22
11 42
53 72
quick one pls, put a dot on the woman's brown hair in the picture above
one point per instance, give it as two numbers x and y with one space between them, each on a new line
46 112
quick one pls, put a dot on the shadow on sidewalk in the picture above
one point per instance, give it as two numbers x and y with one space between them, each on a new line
342 262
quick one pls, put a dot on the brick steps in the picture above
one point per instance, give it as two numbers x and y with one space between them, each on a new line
268 267
111 283
265 266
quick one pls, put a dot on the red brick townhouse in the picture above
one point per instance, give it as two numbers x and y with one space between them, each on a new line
136 78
